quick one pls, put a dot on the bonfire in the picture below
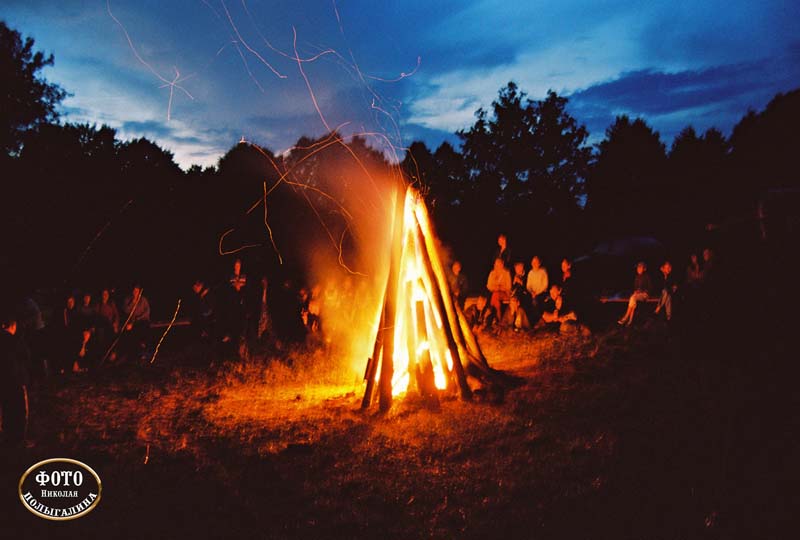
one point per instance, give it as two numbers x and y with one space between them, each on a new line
423 342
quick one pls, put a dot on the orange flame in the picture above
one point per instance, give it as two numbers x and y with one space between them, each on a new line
419 338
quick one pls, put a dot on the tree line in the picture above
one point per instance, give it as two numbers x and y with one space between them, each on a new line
525 168
83 207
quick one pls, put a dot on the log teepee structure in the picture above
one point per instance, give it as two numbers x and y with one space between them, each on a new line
423 340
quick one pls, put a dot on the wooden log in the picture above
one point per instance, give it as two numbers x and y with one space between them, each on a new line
387 367
438 299
426 381
372 364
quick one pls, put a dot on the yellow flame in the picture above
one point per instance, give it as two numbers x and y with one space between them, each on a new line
418 329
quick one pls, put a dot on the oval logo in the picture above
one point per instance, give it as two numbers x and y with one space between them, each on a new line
60 489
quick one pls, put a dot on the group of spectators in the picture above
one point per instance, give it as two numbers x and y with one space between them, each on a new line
239 312
520 298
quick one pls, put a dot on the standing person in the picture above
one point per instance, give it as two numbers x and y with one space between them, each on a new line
641 292
31 328
87 312
668 288
502 251
67 333
14 358
537 280
458 283
238 280
198 309
499 285
237 309
137 313
69 313
315 308
88 353
264 323
108 313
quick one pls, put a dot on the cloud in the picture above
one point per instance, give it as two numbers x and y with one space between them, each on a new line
448 101
716 96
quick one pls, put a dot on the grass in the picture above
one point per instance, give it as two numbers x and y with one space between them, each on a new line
614 435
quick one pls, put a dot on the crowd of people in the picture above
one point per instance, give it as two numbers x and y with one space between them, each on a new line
237 313
520 298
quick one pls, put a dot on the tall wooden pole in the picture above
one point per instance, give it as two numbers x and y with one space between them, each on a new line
438 299
387 367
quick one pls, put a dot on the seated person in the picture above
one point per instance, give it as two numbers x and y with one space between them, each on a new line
515 317
480 316
668 287
518 281
499 285
555 309
137 313
89 352
537 281
458 283
641 292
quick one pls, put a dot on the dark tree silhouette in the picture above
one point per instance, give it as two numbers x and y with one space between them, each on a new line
698 181
627 179
27 99
763 145
529 152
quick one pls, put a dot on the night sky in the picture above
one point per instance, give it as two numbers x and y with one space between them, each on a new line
674 63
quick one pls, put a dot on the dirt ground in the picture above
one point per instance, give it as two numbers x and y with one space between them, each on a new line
628 433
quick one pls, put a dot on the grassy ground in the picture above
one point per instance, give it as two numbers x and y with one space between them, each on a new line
623 434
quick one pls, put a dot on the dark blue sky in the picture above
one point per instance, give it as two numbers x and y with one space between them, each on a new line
673 62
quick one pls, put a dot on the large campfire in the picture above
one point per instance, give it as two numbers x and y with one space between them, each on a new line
423 342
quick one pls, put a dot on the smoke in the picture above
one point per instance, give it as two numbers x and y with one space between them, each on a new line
351 191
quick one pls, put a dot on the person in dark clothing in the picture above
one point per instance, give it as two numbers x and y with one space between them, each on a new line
668 288
286 314
107 319
33 331
694 275
481 316
88 353
137 312
566 275
108 312
87 312
67 331
518 280
198 309
458 283
641 292
556 309
14 358
502 251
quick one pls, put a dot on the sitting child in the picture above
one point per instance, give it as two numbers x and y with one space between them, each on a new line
499 285
668 287
641 292
515 317
480 316
555 309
